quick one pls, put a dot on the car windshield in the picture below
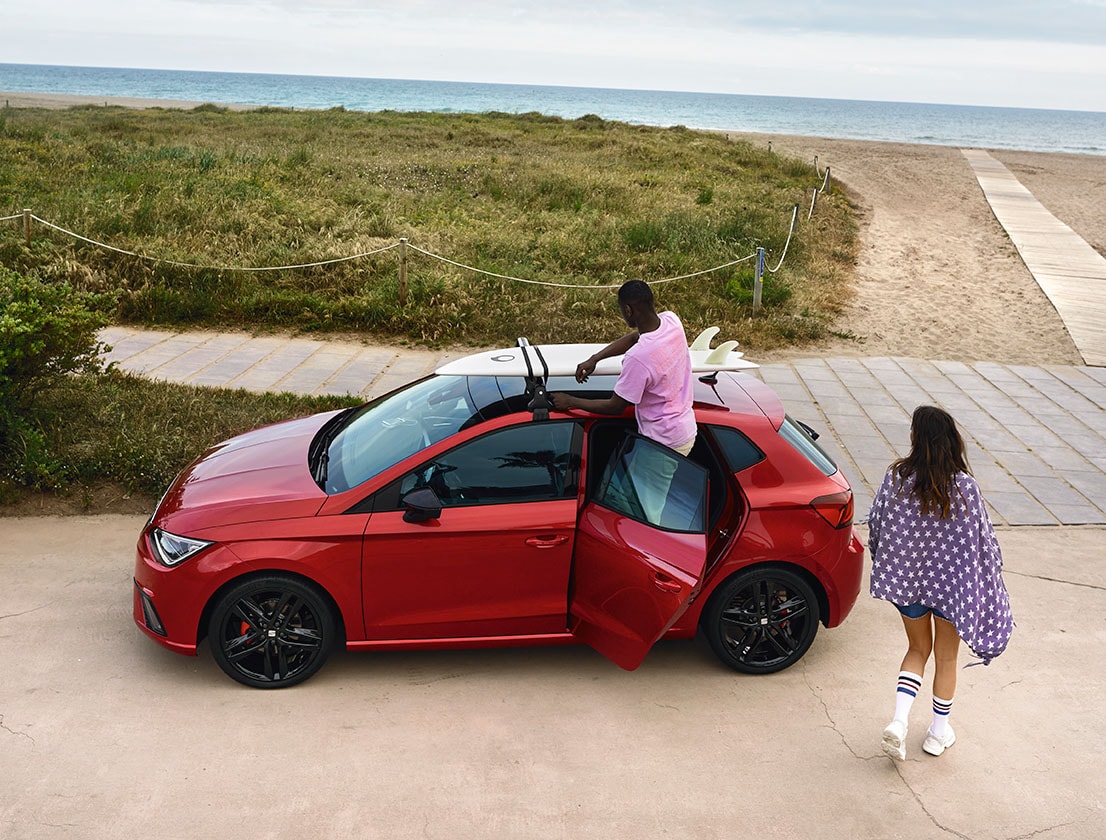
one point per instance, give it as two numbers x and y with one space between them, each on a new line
385 432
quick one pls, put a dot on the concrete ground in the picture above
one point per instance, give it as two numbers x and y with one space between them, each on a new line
103 734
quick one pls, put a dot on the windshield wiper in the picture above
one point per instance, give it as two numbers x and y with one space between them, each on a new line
318 455
320 469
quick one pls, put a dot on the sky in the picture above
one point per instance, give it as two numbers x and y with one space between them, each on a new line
1013 53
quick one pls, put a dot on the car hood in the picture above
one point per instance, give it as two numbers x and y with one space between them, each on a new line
259 476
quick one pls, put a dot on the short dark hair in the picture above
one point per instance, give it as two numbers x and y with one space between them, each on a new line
636 293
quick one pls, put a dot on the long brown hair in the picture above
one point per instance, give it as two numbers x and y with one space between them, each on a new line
936 456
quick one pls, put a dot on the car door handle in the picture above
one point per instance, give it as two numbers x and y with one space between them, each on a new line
666 584
547 542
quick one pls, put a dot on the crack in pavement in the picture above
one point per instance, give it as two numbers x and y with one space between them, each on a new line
925 810
829 717
898 770
8 729
1054 580
25 612
1042 831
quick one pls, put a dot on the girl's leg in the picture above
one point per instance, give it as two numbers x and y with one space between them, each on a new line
946 647
919 640
919 637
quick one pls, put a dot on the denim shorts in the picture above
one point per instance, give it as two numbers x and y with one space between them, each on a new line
919 611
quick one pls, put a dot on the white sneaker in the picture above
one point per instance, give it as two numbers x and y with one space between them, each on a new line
935 745
894 740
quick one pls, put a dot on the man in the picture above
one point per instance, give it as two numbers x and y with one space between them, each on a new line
656 378
656 372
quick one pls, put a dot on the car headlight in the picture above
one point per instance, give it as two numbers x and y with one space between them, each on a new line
172 549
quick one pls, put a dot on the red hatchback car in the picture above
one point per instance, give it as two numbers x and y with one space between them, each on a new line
451 514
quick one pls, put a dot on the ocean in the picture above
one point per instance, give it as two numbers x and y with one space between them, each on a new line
1081 132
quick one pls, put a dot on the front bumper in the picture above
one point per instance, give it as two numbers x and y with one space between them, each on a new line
163 602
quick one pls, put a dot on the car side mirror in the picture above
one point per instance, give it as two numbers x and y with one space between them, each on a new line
422 505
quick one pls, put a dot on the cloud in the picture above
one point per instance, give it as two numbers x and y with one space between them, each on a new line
969 51
1062 21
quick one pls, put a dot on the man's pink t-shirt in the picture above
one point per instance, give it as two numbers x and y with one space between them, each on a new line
656 377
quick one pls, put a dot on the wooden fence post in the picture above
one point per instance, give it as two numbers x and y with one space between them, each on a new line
758 281
403 271
27 227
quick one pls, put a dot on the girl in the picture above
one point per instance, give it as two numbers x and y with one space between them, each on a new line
936 558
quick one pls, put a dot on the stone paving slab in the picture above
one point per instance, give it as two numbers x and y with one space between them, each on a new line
1036 436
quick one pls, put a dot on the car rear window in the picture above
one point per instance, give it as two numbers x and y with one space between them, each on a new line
740 452
797 435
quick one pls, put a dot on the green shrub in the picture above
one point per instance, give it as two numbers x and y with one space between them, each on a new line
47 331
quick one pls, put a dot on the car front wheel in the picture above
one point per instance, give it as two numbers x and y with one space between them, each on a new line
762 620
271 632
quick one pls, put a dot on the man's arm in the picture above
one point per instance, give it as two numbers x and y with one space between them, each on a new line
613 405
618 347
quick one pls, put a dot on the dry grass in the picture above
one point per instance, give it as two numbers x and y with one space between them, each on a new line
584 201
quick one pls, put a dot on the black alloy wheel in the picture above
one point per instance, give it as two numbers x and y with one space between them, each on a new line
271 632
762 620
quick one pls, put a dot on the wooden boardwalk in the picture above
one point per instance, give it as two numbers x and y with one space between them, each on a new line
1069 271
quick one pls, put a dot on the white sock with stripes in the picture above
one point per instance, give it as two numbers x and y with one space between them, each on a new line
909 686
941 709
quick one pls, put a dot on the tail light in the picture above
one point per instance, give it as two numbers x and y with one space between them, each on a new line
836 508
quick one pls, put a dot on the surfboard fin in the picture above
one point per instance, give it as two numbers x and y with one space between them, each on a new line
703 340
720 353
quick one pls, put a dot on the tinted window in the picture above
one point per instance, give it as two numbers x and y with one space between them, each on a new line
385 432
651 483
797 436
530 463
739 451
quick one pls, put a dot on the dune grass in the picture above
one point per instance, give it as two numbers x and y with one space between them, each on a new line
584 202
134 435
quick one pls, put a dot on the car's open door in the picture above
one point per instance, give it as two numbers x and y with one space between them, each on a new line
641 548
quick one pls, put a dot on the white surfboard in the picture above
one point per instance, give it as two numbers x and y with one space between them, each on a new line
562 359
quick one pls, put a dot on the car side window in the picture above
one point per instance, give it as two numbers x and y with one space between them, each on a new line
530 463
653 484
740 452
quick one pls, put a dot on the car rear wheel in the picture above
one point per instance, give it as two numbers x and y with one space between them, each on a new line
762 620
271 632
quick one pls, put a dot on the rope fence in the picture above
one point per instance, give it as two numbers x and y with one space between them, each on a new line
403 245
210 268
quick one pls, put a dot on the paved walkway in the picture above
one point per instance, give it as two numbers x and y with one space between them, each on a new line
1037 435
1070 272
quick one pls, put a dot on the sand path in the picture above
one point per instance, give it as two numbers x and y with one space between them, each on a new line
937 277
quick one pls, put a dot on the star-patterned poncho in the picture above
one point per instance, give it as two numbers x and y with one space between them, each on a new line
953 565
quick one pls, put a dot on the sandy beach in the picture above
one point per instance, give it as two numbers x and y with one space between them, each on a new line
937 277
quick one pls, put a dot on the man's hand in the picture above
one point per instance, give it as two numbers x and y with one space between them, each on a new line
585 369
562 402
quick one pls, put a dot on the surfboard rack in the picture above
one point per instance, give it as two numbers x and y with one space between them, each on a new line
540 402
